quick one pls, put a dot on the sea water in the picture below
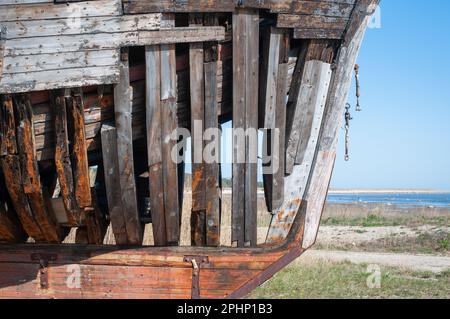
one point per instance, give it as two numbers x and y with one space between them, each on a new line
397 199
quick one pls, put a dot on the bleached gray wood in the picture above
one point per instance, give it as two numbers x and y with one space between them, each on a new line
317 77
123 112
112 183
51 11
101 41
312 95
271 64
60 61
81 25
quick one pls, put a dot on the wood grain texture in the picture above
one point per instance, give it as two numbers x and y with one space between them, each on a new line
122 104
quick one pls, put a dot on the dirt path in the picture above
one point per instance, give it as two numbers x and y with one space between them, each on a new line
415 262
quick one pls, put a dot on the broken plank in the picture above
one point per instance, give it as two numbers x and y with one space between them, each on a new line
95 223
122 103
10 228
13 177
79 153
8 142
62 159
30 171
112 183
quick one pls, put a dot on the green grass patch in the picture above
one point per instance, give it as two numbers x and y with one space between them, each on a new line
345 280
374 220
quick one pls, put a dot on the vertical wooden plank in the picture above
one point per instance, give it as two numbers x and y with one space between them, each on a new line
62 158
212 170
239 105
245 117
10 228
169 125
79 153
123 115
8 144
2 48
251 117
12 172
274 178
154 122
170 170
301 89
95 222
112 183
269 77
273 106
30 171
197 96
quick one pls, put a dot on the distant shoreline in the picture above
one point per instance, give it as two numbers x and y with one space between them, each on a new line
369 191
387 191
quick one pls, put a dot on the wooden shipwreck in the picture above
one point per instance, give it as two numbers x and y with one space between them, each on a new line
91 92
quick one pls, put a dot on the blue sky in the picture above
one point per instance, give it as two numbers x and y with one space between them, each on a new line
402 139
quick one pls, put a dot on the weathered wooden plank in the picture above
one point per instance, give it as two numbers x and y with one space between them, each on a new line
154 143
274 180
212 170
197 96
269 77
239 105
302 89
318 33
13 178
8 143
55 79
324 7
251 118
57 61
317 77
104 41
30 171
2 48
79 153
133 6
122 103
10 228
82 25
312 96
63 162
95 222
51 11
310 22
245 118
112 183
